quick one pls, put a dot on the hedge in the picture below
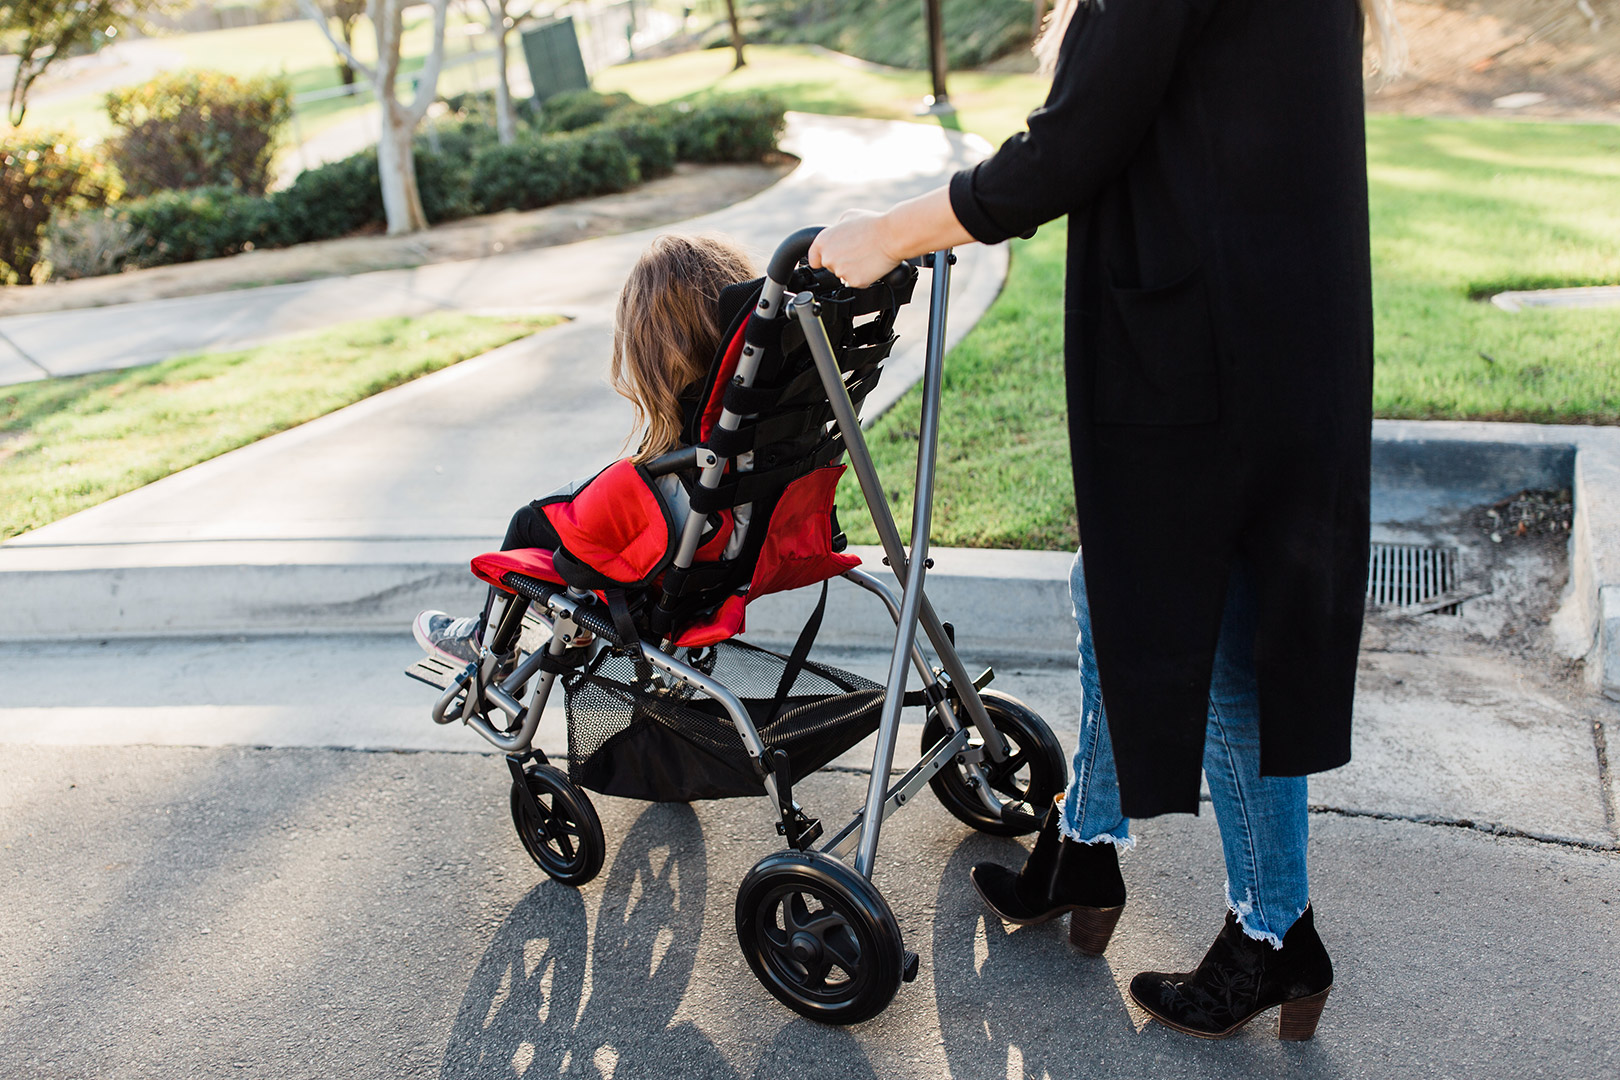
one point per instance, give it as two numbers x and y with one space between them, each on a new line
460 170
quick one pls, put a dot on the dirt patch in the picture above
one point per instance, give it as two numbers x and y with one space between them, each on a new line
692 191
1513 561
1550 59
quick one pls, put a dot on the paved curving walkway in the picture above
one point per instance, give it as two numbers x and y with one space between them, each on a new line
395 492
845 162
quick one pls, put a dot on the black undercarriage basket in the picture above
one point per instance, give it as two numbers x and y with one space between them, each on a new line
632 736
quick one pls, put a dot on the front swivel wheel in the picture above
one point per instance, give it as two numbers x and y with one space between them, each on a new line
558 825
820 937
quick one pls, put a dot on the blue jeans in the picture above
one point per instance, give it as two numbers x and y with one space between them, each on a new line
1263 819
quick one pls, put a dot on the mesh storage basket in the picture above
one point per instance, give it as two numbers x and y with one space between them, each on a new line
633 737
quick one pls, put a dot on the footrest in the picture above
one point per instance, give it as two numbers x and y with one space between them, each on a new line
439 672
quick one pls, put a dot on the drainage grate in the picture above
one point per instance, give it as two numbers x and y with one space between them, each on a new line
1399 575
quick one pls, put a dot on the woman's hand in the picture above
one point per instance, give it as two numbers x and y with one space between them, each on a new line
864 246
856 249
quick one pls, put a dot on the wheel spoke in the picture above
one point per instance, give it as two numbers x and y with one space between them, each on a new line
843 950
796 913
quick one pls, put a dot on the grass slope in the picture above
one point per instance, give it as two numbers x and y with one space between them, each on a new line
70 443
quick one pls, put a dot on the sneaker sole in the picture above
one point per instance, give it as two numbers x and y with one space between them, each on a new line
420 633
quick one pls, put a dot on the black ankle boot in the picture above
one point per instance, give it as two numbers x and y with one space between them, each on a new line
1060 875
1241 978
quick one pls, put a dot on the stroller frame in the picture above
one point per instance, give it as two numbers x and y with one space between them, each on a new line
951 694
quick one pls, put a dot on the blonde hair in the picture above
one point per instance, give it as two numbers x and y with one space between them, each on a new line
667 328
1383 32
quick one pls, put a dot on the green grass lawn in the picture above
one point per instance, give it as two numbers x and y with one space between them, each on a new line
70 443
1460 209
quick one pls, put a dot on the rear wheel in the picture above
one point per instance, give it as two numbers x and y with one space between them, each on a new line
1024 784
820 937
558 826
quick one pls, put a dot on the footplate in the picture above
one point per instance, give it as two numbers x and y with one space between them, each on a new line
438 672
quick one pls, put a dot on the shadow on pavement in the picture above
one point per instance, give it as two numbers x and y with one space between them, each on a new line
523 1013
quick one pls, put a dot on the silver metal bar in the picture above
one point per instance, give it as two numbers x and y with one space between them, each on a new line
918 659
860 459
803 308
922 516
943 753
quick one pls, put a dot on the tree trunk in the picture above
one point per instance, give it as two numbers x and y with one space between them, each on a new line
736 33
396 169
345 69
505 118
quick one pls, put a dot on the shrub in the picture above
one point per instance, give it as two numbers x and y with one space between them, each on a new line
579 109
203 223
648 137
541 170
89 243
328 201
744 127
40 175
444 180
198 128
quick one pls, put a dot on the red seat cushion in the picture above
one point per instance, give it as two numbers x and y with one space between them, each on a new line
530 562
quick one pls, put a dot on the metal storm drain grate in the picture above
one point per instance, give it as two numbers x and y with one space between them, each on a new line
1401 575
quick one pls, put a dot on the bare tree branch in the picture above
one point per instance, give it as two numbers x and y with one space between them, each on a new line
427 83
318 17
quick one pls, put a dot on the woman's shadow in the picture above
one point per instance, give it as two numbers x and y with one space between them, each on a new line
526 1012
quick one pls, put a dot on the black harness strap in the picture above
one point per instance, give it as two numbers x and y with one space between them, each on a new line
801 653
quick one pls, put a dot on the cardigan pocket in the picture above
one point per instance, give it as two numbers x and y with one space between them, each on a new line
1156 357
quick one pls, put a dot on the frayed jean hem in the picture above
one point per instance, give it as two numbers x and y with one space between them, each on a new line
1247 915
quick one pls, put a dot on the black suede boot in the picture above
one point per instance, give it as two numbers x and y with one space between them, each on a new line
1059 876
1241 978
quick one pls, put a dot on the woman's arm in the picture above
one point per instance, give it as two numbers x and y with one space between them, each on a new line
1115 66
864 246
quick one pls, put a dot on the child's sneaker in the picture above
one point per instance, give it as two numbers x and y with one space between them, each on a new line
448 637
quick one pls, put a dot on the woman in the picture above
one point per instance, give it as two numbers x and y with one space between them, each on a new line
1218 344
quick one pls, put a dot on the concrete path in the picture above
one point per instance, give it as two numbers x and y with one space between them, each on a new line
381 504
846 162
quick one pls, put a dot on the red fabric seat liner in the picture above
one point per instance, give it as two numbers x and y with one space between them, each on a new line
616 524
530 562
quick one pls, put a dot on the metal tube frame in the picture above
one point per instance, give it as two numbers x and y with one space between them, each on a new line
909 612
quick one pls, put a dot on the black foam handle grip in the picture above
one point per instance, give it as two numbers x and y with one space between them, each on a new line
790 252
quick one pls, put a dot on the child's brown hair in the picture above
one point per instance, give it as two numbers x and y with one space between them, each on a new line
667 328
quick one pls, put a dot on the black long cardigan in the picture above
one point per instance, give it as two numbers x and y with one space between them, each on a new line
1211 157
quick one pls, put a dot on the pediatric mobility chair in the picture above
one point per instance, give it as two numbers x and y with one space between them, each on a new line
664 702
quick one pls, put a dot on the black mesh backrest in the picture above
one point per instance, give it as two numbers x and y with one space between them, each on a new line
788 415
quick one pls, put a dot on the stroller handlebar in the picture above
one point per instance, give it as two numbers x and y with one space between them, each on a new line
792 251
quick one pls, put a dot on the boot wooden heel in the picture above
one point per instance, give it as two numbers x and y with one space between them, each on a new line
1090 928
1299 1017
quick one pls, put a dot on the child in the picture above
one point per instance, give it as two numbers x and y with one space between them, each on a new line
676 304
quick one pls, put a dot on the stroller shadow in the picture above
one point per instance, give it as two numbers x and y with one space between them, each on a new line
526 1011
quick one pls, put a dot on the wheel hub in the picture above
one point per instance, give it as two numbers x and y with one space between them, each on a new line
805 947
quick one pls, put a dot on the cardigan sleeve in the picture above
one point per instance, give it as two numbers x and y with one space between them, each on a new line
1115 65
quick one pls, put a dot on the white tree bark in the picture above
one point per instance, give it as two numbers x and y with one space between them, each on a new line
505 117
396 161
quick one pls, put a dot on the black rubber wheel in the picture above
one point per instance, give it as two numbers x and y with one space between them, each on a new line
1026 783
820 937
565 837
